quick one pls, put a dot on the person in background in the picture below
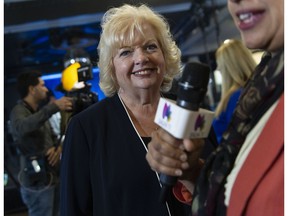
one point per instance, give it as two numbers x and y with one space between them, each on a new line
245 175
55 119
39 155
103 169
236 64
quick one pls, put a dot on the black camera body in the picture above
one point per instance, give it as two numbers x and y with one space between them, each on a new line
82 98
85 72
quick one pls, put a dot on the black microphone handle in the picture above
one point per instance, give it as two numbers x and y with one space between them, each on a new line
169 181
191 92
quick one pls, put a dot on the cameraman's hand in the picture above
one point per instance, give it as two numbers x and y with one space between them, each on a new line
64 103
53 155
174 157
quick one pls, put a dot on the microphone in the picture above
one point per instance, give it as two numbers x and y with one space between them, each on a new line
192 89
192 86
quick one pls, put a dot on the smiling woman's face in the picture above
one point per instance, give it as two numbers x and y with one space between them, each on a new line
140 65
261 22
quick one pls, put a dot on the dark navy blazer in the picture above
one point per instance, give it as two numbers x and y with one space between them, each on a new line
104 171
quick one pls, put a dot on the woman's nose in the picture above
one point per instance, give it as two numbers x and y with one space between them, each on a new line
140 56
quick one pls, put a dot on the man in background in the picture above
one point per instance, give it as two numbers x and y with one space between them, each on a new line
37 143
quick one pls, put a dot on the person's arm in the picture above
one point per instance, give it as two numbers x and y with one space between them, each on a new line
183 190
182 158
24 122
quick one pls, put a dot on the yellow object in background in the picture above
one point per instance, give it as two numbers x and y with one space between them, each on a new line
70 76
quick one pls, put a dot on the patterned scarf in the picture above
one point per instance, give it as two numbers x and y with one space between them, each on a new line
263 89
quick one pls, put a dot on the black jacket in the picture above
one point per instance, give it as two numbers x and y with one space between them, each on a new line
104 171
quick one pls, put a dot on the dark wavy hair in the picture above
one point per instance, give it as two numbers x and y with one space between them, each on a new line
26 79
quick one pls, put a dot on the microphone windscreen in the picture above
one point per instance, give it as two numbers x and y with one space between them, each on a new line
192 86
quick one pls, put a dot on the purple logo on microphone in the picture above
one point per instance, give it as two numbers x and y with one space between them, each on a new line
200 122
166 112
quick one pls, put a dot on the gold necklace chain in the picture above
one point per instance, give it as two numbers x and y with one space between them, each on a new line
146 129
135 120
153 128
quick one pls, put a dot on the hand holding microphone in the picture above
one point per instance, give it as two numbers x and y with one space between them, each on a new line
181 120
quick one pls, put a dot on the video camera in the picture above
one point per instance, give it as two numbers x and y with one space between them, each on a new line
74 85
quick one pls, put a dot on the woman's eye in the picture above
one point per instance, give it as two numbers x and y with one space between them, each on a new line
152 47
125 52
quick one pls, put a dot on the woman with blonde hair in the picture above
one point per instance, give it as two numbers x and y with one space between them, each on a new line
104 171
236 64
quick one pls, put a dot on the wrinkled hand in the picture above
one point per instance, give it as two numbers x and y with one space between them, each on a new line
174 157
64 103
53 155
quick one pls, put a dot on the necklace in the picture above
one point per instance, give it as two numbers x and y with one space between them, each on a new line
144 124
144 128
155 128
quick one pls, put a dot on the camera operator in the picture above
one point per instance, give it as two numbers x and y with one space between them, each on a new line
40 153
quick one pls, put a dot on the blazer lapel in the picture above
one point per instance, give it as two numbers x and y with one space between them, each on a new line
262 155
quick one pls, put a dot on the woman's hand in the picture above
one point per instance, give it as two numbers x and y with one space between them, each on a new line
174 157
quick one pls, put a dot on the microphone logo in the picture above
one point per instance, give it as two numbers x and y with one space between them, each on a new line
200 122
166 112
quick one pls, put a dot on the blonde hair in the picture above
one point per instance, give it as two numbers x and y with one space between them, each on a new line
118 28
236 63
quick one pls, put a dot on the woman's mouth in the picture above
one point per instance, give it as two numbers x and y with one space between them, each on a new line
143 72
248 20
